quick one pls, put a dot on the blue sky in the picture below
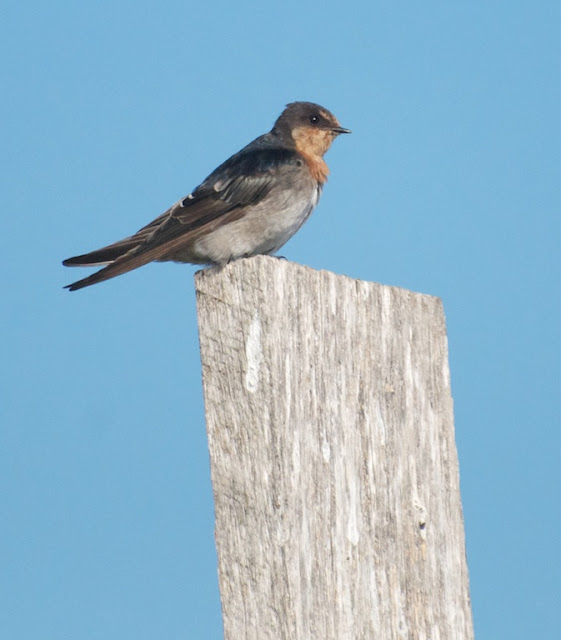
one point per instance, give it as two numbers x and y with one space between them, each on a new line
450 185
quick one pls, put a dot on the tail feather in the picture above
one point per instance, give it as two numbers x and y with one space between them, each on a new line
117 256
105 255
159 240
125 263
137 256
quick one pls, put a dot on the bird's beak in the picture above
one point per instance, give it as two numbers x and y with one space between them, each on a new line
339 130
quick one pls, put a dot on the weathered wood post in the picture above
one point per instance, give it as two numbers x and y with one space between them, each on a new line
333 459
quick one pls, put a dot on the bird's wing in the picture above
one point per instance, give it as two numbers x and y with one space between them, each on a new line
243 180
108 254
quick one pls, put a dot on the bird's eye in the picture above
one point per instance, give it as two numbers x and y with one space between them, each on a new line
314 119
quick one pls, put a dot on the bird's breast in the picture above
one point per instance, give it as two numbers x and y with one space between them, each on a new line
264 227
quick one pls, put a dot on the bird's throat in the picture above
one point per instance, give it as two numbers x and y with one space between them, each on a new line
311 144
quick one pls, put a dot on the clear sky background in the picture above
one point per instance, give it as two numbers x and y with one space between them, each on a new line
450 185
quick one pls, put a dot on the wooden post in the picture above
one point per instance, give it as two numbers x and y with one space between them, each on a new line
333 460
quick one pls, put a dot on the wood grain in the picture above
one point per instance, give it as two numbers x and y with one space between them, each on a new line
334 466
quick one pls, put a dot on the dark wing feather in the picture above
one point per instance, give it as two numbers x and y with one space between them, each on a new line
243 180
108 254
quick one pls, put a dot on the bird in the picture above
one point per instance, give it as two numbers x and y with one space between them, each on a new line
252 204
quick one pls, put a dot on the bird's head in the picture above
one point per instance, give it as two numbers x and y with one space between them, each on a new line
309 127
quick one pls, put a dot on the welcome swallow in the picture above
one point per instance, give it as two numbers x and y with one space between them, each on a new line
251 204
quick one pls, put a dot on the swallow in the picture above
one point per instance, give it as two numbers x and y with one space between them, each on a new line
250 205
